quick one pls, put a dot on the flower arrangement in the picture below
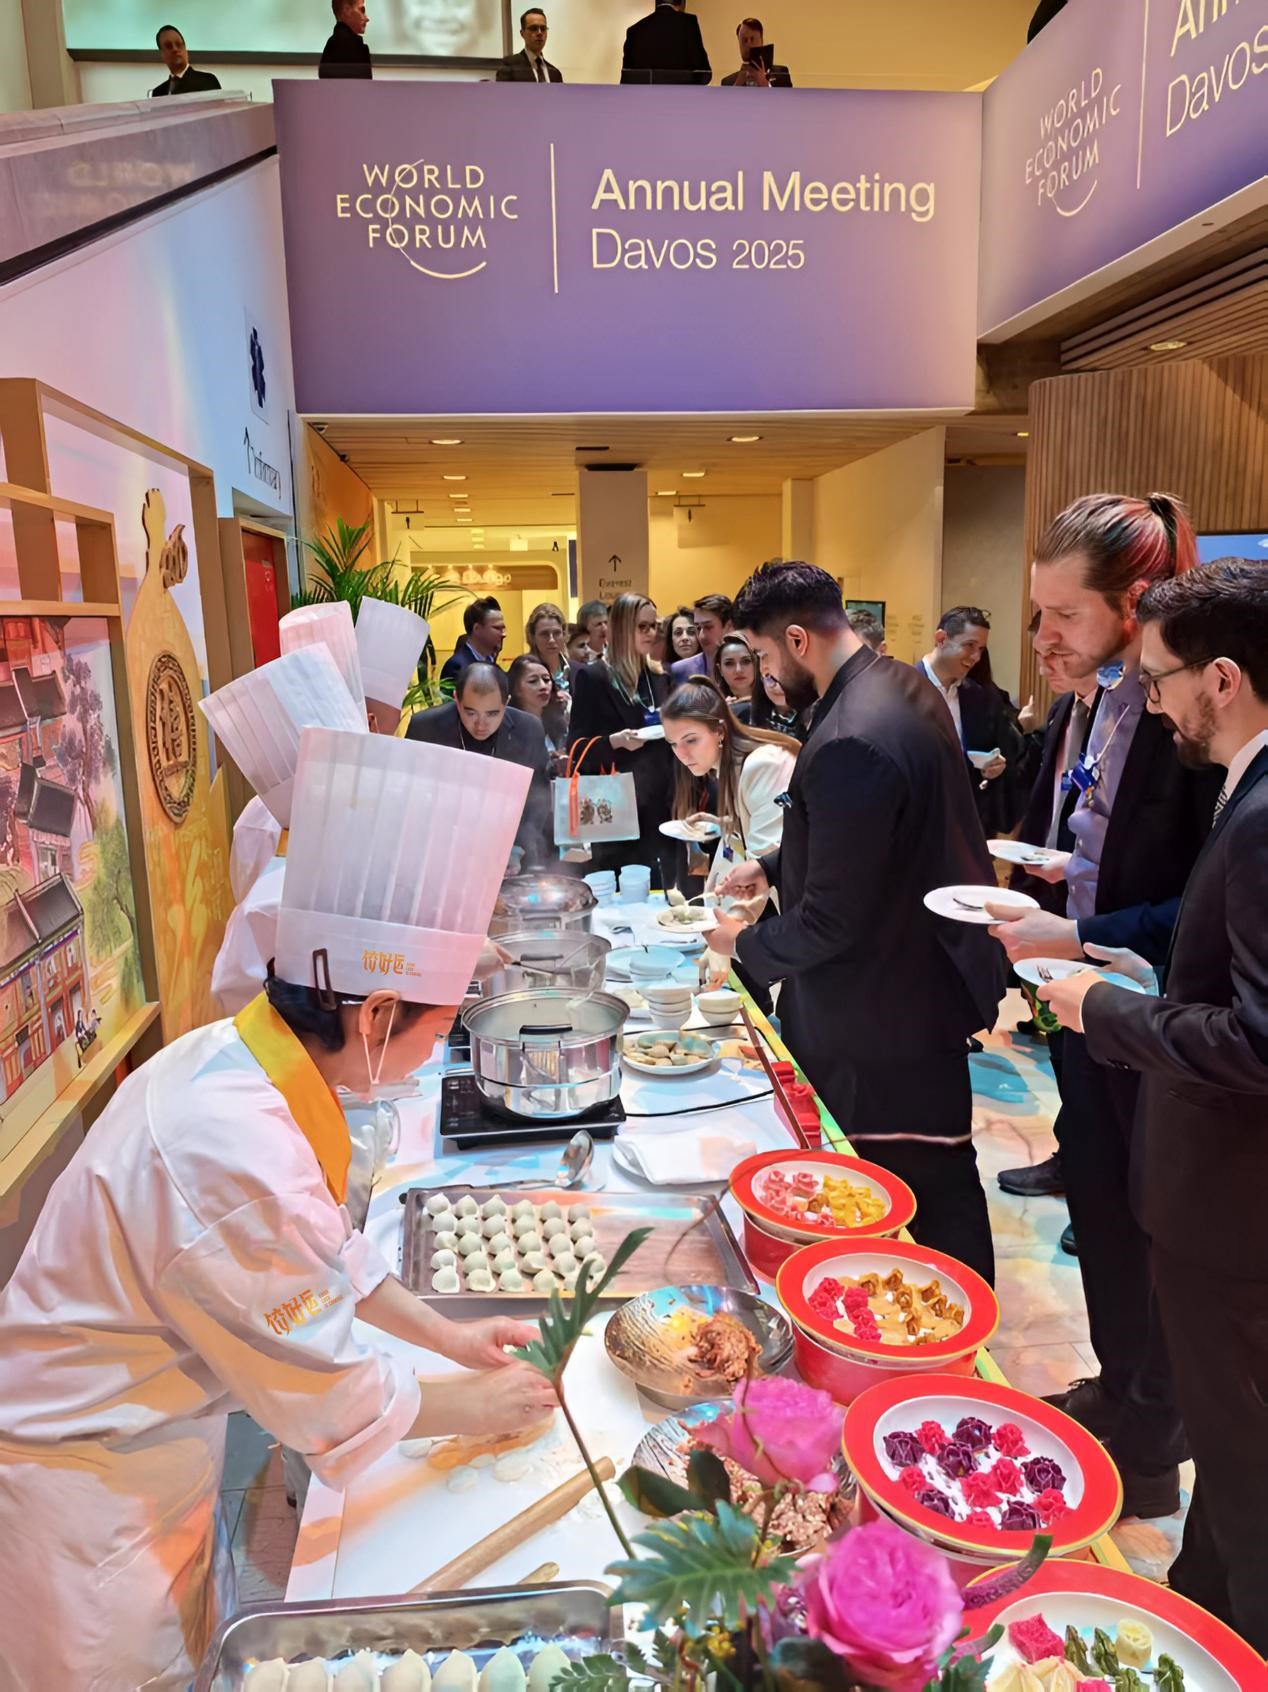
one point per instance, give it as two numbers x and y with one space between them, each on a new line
876 1610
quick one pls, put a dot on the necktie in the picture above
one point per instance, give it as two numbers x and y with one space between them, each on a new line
1220 804
1073 749
540 70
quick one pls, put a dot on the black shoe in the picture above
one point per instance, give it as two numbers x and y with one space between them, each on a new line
1069 1245
1089 1404
1035 1180
1148 1496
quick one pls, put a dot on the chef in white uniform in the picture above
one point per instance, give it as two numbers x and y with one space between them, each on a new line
195 1257
263 730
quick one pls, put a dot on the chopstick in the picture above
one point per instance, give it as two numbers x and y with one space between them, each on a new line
503 1540
790 1115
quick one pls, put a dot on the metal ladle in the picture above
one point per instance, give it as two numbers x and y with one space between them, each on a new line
574 1165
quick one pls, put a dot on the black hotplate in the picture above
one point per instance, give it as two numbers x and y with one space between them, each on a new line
468 1120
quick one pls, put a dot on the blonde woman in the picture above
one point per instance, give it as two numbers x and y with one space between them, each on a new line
612 699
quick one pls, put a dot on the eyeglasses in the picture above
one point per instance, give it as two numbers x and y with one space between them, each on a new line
1150 681
647 628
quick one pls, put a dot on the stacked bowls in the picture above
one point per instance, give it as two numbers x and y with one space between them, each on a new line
772 1233
839 1361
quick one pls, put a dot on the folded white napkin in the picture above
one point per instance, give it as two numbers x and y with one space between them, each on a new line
688 1156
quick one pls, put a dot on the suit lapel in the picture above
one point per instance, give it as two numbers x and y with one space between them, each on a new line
1257 772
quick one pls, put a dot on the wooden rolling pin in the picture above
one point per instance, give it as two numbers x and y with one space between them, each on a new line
505 1539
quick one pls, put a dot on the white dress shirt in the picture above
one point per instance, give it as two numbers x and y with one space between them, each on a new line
1242 761
950 695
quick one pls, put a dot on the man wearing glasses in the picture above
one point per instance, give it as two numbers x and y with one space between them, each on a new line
1202 1049
529 64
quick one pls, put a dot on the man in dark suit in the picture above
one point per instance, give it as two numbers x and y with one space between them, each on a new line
485 633
753 72
182 78
1138 826
714 616
346 55
480 720
666 46
529 64
879 996
1201 1163
961 638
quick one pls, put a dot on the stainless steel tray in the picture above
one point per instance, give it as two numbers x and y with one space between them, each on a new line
571 1614
691 1244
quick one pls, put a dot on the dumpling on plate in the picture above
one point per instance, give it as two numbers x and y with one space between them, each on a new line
544 1282
456 1674
552 1226
407 1674
530 1240
308 1677
437 1203
482 1281
493 1207
532 1262
443 1259
466 1206
1017 1677
549 1661
550 1211
267 1677
360 1675
503 1673
525 1207
446 1281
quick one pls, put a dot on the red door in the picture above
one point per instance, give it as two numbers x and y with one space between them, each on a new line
265 566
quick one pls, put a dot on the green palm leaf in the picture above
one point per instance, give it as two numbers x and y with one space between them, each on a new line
702 1565
562 1325
599 1673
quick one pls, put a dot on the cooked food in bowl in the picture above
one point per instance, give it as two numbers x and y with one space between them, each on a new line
887 1310
664 1051
810 1200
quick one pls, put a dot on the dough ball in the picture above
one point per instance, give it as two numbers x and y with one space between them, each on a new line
444 1259
565 1263
560 1246
550 1211
446 1281
532 1262
531 1241
462 1479
308 1677
505 1260
447 1242
469 1243
554 1225
493 1207
544 1281
510 1280
513 1467
578 1213
437 1203
466 1206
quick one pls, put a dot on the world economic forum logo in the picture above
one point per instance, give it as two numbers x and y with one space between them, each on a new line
1064 170
441 218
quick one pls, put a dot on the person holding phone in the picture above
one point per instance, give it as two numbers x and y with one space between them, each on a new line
757 61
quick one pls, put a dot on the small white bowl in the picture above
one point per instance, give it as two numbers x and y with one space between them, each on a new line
720 1007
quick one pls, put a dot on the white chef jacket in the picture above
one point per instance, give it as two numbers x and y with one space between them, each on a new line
255 840
190 1261
764 777
242 963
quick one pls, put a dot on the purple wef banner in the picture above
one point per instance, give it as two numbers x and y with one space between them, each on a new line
1121 120
497 248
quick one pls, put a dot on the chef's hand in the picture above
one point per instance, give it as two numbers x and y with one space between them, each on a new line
722 938
1126 962
1065 998
743 881
626 740
1051 870
1033 934
500 1401
995 769
481 1345
492 958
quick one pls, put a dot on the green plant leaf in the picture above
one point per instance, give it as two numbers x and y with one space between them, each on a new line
655 1494
562 1325
699 1568
599 1673
707 1478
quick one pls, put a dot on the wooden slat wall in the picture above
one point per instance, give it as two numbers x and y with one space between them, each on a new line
1197 429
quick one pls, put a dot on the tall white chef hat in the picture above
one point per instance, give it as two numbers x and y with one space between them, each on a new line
329 626
390 641
397 851
260 717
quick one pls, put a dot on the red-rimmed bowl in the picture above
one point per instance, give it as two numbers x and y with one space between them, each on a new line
765 1251
1092 1491
965 1568
1085 1595
900 1201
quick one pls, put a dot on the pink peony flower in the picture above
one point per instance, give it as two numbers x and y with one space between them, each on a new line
779 1431
886 1602
1051 1506
979 1491
1010 1441
932 1436
913 1479
1006 1475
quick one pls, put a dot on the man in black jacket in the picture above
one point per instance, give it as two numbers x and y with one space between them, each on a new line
484 635
346 54
1201 1164
182 78
666 46
480 720
529 64
1138 826
879 996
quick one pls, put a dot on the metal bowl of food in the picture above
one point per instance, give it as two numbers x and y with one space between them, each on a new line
542 901
547 1056
549 957
686 1345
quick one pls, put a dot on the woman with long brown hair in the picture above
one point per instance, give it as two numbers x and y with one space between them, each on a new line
546 632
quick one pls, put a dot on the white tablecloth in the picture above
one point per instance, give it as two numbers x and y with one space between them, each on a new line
400 1521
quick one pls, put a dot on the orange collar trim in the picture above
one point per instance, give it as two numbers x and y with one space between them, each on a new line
310 1101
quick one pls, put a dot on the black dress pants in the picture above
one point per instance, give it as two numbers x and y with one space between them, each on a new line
1218 1333
1094 1132
914 1116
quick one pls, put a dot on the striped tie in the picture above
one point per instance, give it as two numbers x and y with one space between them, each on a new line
1220 804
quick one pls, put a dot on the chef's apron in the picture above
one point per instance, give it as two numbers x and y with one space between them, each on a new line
116 1553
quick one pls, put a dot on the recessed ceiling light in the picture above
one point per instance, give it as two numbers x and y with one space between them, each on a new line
463 519
459 496
446 440
451 477
1167 346
693 475
744 440
1023 434
666 493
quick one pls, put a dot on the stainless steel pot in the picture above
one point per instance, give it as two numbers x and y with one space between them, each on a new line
542 901
544 958
544 1056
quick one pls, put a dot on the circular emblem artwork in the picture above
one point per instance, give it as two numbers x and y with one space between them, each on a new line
171 736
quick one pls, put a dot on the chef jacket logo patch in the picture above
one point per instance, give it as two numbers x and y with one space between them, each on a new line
171 736
386 963
440 218
300 1309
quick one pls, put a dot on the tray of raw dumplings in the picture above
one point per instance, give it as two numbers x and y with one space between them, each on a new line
474 1641
469 1243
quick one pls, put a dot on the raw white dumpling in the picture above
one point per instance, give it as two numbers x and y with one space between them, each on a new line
469 1243
525 1207
510 1280
407 1674
554 1225
360 1675
543 1281
308 1677
474 1262
503 1673
1017 1677
565 1262
466 1206
549 1661
578 1212
456 1674
550 1211
437 1203
267 1677
570 1281
584 1247
513 1467
500 1242
493 1207
581 1227
460 1480
443 1259
505 1260
482 1281
446 1281
559 1245
447 1242
493 1225
445 1223
469 1225
521 1225
531 1241
532 1261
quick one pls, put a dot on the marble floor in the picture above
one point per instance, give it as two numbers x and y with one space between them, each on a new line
1042 1342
